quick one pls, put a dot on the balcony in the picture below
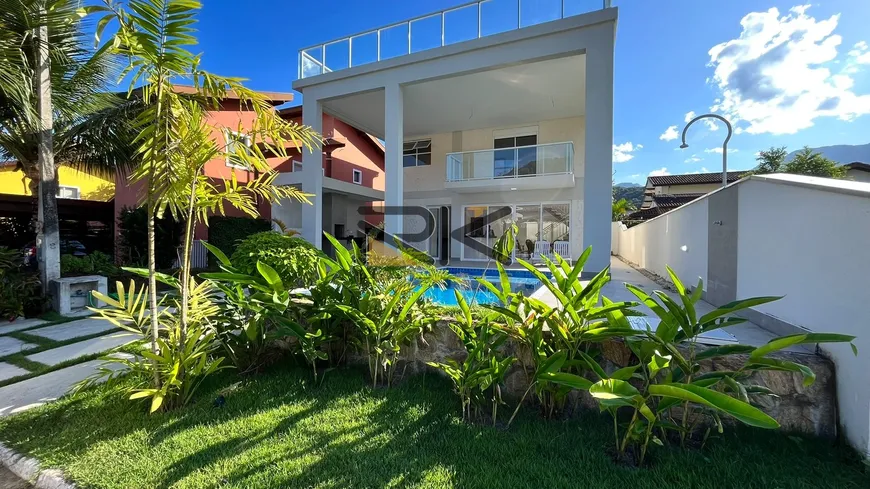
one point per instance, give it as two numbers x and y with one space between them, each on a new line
519 168
465 22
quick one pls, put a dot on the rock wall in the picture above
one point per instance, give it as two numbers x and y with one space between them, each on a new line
798 408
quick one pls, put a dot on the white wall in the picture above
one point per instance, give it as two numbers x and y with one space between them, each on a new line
659 242
811 245
615 234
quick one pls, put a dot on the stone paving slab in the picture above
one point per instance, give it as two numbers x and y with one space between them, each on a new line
82 348
10 345
19 324
73 329
7 371
37 391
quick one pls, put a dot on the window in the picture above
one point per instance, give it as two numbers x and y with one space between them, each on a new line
417 153
233 139
357 177
297 166
515 155
64 192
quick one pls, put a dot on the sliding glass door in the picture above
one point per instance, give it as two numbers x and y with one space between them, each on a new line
541 229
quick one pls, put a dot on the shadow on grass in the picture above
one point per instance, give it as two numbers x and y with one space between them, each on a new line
277 430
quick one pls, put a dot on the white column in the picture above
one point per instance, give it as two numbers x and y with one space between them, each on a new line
312 175
597 178
394 139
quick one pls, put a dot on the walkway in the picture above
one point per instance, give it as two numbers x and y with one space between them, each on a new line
621 273
41 361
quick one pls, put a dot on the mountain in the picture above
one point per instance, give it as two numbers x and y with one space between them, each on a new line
632 194
842 153
627 185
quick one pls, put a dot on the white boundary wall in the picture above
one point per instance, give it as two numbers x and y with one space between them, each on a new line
677 239
805 238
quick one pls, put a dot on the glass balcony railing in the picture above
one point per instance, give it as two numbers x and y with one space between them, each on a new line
472 20
519 162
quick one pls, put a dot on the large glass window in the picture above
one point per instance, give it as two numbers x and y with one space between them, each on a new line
515 156
417 153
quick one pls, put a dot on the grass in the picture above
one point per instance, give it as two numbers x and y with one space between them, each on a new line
276 430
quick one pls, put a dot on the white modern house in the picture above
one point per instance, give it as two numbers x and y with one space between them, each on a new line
491 104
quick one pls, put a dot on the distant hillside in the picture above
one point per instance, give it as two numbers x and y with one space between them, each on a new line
842 153
628 185
631 194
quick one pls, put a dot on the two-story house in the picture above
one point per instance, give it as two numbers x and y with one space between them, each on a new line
487 106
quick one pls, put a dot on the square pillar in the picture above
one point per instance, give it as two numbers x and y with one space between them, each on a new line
597 178
312 175
394 137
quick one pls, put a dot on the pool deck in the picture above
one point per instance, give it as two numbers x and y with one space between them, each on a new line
621 273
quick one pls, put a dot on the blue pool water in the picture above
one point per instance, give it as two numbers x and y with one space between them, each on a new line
473 292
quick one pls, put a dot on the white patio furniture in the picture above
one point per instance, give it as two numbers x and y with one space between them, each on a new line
542 248
563 249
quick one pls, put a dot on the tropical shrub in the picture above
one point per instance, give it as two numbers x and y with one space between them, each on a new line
480 375
19 289
294 259
133 230
94 263
227 232
184 356
257 309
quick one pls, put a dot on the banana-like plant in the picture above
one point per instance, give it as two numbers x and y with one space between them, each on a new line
680 324
562 338
483 368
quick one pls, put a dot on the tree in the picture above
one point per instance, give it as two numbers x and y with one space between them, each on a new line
173 146
53 106
809 162
620 208
805 162
770 161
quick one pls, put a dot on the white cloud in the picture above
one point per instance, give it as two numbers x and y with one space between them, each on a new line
775 77
623 152
719 150
860 54
704 169
693 159
659 173
670 134
689 116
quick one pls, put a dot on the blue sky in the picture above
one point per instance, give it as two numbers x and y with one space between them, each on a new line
797 75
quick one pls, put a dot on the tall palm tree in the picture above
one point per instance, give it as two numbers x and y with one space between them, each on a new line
89 128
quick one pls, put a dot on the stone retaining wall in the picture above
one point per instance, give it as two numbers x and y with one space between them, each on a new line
802 409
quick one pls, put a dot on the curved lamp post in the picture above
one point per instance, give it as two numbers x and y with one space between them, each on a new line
724 145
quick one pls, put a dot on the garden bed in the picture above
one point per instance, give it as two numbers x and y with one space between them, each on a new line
277 430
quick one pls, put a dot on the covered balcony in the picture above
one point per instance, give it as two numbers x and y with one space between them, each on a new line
518 168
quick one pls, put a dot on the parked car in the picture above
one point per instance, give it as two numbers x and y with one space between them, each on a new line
67 247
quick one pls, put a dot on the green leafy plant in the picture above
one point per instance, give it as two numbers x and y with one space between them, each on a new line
482 370
294 259
561 339
183 357
257 309
18 288
94 263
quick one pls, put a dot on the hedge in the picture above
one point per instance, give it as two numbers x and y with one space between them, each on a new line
227 232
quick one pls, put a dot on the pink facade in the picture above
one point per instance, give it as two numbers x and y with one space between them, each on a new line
345 149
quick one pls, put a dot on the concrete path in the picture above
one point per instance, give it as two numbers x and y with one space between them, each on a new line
8 480
10 345
82 348
19 324
7 371
73 329
46 388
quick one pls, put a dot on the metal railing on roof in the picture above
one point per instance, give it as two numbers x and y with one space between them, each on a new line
472 20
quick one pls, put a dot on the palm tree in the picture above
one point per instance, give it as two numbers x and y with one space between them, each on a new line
89 131
620 208
174 143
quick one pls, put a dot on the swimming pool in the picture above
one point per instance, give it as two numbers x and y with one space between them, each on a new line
522 281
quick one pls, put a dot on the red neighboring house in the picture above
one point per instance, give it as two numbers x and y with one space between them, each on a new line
349 155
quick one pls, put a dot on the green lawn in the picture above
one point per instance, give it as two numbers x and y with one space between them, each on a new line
277 431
